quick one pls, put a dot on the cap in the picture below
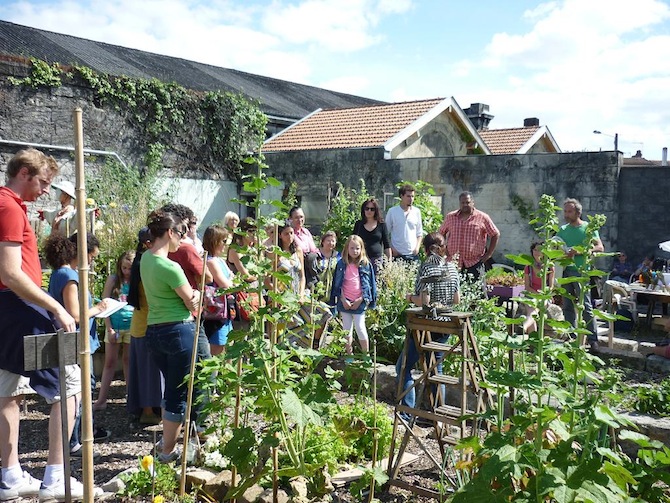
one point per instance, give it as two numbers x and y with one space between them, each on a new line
65 186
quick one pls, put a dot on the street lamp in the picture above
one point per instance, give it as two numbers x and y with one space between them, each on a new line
616 138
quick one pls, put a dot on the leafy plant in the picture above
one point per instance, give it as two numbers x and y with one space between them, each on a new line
151 478
654 399
559 444
345 209
42 74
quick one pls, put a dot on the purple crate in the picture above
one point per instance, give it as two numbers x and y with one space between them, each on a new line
504 292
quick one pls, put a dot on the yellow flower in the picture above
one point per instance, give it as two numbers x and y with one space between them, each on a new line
159 499
147 462
90 201
112 204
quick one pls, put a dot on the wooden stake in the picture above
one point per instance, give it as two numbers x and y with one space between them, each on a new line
84 342
191 376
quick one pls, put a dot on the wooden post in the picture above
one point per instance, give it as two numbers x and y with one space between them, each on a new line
189 396
85 346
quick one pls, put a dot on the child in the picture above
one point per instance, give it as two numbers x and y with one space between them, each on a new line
117 326
354 290
214 242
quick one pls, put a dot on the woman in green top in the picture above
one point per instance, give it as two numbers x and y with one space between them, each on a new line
170 324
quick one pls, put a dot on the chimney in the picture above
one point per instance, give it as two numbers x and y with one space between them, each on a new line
478 115
531 121
638 155
664 157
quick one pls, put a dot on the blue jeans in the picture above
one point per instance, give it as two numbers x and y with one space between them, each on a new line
569 307
171 345
412 358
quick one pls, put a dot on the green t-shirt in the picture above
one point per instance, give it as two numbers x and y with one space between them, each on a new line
160 277
575 236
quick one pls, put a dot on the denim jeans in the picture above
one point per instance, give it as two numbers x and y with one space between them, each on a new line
569 307
171 345
412 358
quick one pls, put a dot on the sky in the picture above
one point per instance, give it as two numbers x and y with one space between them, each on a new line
577 65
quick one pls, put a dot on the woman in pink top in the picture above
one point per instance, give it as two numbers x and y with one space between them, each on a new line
533 283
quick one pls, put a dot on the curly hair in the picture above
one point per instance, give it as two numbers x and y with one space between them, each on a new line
59 250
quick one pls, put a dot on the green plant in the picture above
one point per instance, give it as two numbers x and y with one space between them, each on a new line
355 423
151 478
42 74
345 210
653 399
559 444
387 322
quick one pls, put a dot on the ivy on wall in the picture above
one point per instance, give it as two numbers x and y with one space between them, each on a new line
214 130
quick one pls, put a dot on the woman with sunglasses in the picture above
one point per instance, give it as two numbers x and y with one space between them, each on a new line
170 325
372 230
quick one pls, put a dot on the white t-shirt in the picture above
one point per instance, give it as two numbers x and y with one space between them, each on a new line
405 228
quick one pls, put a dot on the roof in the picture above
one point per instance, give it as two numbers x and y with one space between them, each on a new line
507 141
278 98
371 126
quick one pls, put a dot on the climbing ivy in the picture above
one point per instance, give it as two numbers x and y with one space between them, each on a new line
214 131
42 74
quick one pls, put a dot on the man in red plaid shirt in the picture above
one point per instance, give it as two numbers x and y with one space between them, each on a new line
468 231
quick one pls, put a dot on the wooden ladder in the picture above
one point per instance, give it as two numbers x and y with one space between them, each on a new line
427 329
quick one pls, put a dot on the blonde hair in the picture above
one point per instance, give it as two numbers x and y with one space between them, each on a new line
362 258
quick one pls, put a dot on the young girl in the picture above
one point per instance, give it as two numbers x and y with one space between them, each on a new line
117 326
533 283
354 290
214 242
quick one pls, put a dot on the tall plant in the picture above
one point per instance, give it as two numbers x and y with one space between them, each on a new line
559 444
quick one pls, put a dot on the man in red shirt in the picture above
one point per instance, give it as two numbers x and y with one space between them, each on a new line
468 231
27 309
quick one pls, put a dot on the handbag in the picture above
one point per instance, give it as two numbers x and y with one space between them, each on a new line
247 303
218 306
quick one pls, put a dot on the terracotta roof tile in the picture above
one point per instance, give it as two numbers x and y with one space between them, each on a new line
507 141
357 127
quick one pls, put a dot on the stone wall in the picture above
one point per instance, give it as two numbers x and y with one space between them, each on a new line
502 185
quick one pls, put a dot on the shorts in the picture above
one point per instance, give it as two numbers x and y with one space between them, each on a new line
217 331
19 318
123 337
12 385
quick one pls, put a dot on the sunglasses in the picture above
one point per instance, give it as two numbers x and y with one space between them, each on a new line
370 208
180 232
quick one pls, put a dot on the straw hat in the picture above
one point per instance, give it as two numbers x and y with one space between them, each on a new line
66 187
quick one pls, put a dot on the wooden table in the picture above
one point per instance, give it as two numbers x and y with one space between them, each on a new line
653 296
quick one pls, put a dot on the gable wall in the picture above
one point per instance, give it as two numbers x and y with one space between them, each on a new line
440 138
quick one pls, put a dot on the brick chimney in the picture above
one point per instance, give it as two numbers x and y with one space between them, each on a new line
531 121
478 115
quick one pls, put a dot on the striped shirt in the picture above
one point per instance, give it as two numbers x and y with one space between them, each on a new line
444 290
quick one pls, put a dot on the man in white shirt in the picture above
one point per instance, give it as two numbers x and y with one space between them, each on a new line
405 227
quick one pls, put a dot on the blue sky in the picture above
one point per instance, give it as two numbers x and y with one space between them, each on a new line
577 65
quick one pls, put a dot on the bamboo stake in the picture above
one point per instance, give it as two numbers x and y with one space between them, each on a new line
191 376
274 336
375 440
84 343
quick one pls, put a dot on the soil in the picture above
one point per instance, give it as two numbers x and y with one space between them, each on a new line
129 440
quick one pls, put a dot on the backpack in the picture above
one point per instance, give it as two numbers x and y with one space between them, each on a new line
218 306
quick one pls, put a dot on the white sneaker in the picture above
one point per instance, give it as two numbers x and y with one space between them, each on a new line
56 493
27 486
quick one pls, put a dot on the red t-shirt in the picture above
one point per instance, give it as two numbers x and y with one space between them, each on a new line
190 261
15 228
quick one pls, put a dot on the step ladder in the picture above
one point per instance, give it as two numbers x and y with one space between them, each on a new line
426 329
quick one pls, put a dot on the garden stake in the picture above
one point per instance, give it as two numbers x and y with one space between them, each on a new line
85 345
374 420
191 376
274 336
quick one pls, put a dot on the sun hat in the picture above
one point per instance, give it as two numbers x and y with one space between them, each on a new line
65 186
